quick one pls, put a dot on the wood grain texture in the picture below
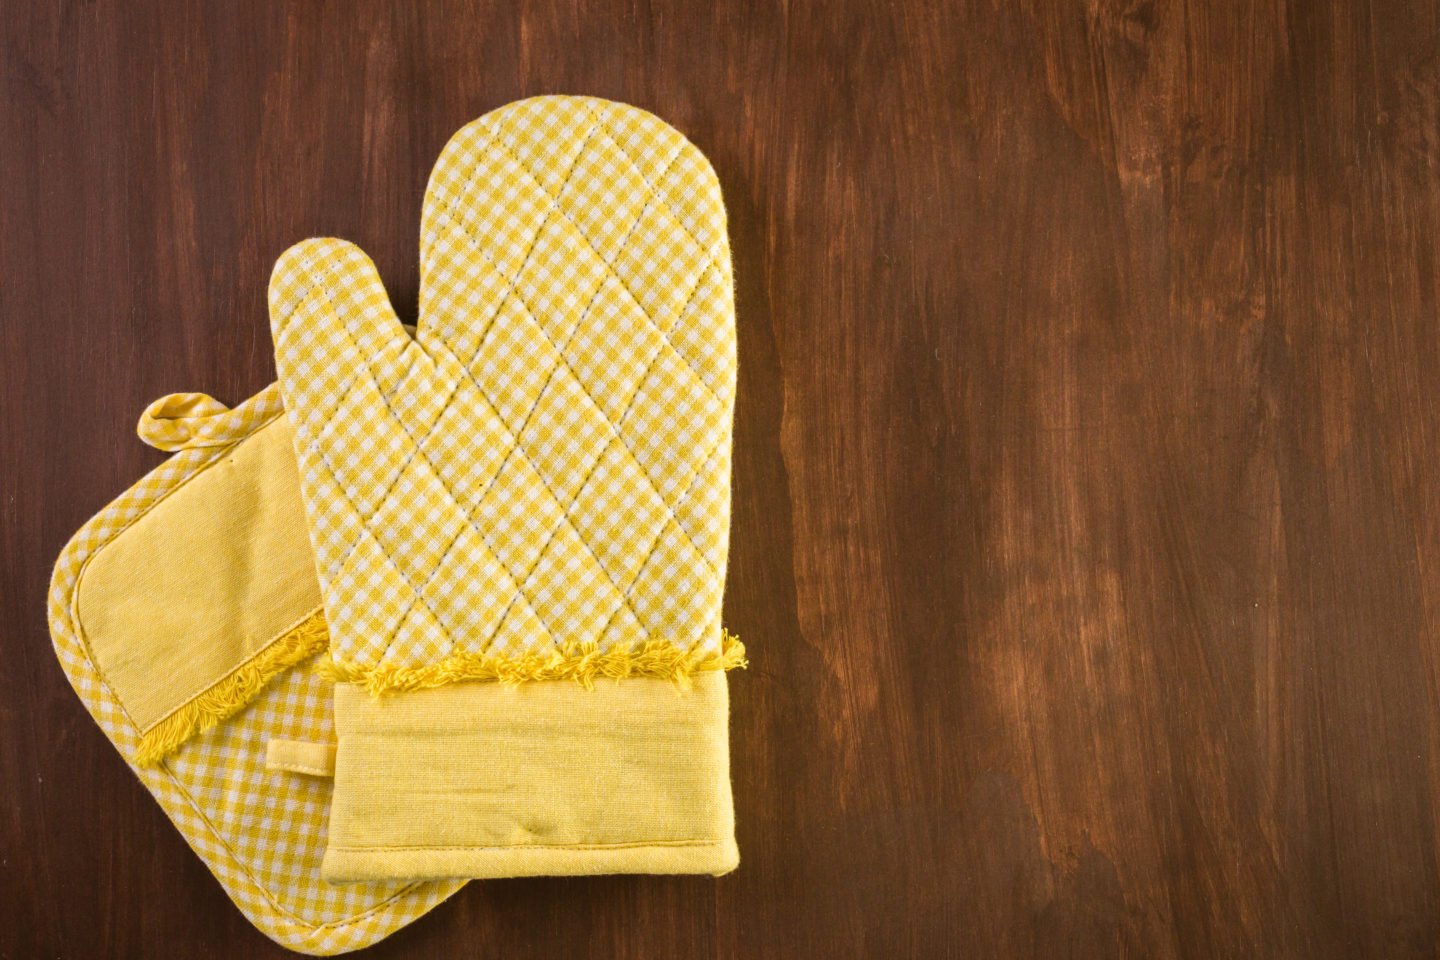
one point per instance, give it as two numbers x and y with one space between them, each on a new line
1087 531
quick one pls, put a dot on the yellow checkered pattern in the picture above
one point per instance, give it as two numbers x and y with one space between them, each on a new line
261 833
547 460
182 420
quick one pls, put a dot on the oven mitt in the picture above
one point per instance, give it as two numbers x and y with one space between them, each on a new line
186 614
534 490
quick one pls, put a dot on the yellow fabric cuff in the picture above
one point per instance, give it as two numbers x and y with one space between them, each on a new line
486 780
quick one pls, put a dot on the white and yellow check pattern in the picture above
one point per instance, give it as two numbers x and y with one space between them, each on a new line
546 462
261 833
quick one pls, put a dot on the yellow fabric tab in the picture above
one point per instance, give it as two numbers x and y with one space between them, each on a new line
300 756
547 778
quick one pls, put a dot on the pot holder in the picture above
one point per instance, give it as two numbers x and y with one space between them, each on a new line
533 489
185 615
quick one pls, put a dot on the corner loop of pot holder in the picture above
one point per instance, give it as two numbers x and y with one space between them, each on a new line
180 421
185 615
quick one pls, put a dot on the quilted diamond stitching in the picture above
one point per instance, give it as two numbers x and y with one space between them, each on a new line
624 593
613 426
419 600
709 256
709 264
321 451
654 197
475 244
567 573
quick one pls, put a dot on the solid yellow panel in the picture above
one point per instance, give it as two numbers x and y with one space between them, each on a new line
484 780
203 582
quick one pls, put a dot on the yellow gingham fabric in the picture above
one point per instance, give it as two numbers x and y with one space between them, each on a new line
546 462
180 420
261 833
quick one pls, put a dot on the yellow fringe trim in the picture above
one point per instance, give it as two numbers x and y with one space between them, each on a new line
235 690
584 663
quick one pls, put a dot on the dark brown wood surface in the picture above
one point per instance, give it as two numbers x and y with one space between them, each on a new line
1087 519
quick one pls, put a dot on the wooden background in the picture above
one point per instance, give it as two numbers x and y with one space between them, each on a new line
1087 530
